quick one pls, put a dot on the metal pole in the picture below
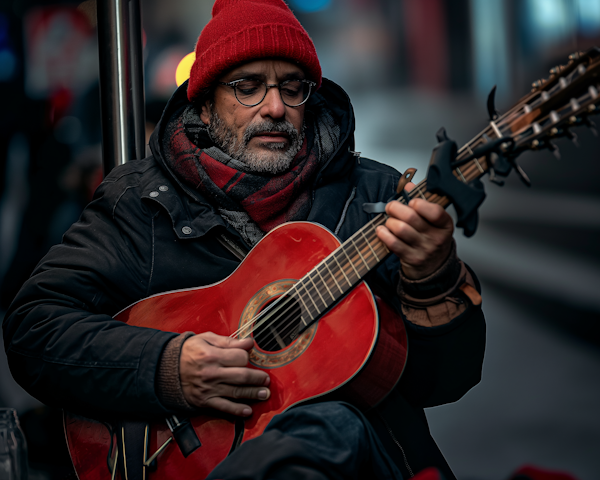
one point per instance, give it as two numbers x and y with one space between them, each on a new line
121 62
137 78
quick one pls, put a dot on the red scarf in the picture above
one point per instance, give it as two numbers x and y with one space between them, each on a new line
269 200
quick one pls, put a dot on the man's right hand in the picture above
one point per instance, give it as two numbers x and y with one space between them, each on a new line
213 372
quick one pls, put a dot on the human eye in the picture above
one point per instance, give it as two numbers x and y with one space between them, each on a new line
291 88
248 86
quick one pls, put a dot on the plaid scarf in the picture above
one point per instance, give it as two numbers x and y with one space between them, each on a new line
251 202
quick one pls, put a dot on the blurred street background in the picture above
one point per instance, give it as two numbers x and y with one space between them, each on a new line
410 67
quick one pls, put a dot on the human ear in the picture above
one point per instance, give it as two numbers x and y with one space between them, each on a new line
205 113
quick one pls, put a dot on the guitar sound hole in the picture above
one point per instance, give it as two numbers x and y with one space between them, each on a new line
280 326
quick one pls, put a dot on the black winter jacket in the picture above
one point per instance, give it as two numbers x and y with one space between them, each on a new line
146 233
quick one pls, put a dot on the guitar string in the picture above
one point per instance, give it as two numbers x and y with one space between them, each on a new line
273 304
416 190
500 123
288 295
292 304
294 320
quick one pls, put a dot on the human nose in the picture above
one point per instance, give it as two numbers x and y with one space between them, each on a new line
272 105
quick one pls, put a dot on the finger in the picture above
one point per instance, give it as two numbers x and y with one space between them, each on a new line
242 376
227 342
227 406
244 392
230 357
197 350
403 231
434 214
404 213
392 242
409 186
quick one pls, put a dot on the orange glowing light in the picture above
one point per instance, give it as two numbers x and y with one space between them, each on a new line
183 69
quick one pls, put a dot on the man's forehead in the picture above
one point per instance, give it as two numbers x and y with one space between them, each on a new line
282 69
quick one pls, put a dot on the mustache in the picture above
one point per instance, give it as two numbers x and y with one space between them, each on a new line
270 126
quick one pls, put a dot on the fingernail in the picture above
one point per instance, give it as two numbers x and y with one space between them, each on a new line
262 394
267 381
247 412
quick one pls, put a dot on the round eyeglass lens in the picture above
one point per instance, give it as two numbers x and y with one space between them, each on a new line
252 92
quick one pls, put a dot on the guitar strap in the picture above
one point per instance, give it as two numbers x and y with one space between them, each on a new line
131 434
230 244
130 441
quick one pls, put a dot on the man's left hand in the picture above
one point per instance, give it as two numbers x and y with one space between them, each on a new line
420 234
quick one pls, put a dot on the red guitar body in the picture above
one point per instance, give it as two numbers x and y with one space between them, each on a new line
355 352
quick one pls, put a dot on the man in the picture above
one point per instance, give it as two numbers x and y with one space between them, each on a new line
255 139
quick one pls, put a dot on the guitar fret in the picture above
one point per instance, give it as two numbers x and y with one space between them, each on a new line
343 272
351 264
461 175
379 243
334 279
374 254
324 283
317 290
311 298
305 308
496 129
478 164
359 254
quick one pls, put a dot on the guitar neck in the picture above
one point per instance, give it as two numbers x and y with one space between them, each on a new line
554 105
346 266
341 270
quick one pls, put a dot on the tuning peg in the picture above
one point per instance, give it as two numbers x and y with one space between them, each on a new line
538 83
557 70
554 149
441 135
591 125
572 136
494 178
491 104
575 56
522 175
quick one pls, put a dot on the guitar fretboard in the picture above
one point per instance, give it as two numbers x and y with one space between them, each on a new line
550 110
341 270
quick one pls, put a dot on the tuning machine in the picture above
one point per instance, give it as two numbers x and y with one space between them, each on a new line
571 136
591 125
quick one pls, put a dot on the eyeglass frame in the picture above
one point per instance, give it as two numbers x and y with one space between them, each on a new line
233 84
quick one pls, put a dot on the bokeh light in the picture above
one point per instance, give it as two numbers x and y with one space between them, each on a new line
310 5
183 69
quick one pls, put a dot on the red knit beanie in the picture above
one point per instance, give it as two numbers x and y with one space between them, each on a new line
241 31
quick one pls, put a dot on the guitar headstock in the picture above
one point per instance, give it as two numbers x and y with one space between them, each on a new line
555 105
566 99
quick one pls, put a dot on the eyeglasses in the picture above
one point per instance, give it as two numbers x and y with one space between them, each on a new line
250 92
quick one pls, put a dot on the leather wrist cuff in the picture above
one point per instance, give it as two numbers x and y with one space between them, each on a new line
439 284
168 385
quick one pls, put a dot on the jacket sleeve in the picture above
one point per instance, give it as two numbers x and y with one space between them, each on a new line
444 362
62 344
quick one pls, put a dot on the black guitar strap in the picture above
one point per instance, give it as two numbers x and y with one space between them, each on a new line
130 441
230 244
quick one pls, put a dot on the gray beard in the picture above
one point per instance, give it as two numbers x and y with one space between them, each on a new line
277 160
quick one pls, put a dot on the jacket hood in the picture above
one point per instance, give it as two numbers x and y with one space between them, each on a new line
330 96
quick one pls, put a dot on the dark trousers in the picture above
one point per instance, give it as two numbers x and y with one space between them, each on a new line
324 441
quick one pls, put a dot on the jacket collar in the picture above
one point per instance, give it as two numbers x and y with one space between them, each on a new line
330 94
191 214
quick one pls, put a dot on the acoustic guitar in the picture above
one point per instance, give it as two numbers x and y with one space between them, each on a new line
319 330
